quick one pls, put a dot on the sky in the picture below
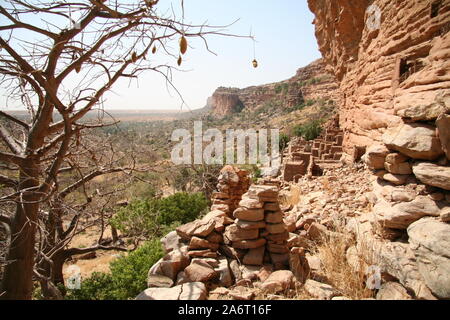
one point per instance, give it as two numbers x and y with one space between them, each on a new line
285 41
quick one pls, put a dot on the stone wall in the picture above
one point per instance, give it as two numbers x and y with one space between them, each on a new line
244 234
312 157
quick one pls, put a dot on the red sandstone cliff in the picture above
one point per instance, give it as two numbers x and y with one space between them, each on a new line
399 70
312 82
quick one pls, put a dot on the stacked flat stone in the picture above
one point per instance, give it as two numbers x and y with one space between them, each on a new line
259 228
232 184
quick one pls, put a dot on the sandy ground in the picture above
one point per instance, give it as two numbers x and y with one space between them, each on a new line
98 264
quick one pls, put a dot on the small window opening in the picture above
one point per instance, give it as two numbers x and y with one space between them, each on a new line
435 7
408 68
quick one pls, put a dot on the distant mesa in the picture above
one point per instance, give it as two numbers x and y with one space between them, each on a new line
312 82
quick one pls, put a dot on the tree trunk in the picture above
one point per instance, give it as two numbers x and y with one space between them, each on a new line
17 281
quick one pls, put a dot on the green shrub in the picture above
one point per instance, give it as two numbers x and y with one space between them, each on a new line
309 131
180 207
284 141
152 217
127 279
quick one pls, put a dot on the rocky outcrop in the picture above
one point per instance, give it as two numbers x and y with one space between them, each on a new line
312 157
430 241
312 82
225 103
391 59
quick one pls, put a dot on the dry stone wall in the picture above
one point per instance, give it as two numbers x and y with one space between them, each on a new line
243 235
313 157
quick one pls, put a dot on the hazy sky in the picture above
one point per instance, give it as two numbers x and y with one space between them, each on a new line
285 42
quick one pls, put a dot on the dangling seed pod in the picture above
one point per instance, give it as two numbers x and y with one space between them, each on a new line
134 57
255 63
154 50
183 45
78 68
179 61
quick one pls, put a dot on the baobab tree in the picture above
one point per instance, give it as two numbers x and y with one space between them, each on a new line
58 59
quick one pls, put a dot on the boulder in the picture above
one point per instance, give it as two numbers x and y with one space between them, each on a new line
242 293
250 225
430 241
397 260
211 261
272 206
443 126
197 228
317 231
188 291
299 265
199 243
278 282
171 241
396 158
207 253
171 264
279 261
278 237
396 179
400 216
215 237
274 247
320 290
250 272
274 217
276 228
432 174
159 281
254 257
225 278
199 271
262 191
251 203
375 156
249 244
424 111
253 215
403 168
445 214
235 233
296 240
392 291
236 270
418 141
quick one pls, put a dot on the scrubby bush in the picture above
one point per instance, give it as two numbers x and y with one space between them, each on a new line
127 279
284 141
309 131
153 217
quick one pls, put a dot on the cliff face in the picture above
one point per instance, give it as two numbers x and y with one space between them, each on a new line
310 83
397 69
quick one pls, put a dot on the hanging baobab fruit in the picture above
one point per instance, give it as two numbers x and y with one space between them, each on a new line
255 63
134 57
179 61
154 50
78 68
183 45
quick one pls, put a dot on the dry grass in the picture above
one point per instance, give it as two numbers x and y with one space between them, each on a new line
293 197
350 282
